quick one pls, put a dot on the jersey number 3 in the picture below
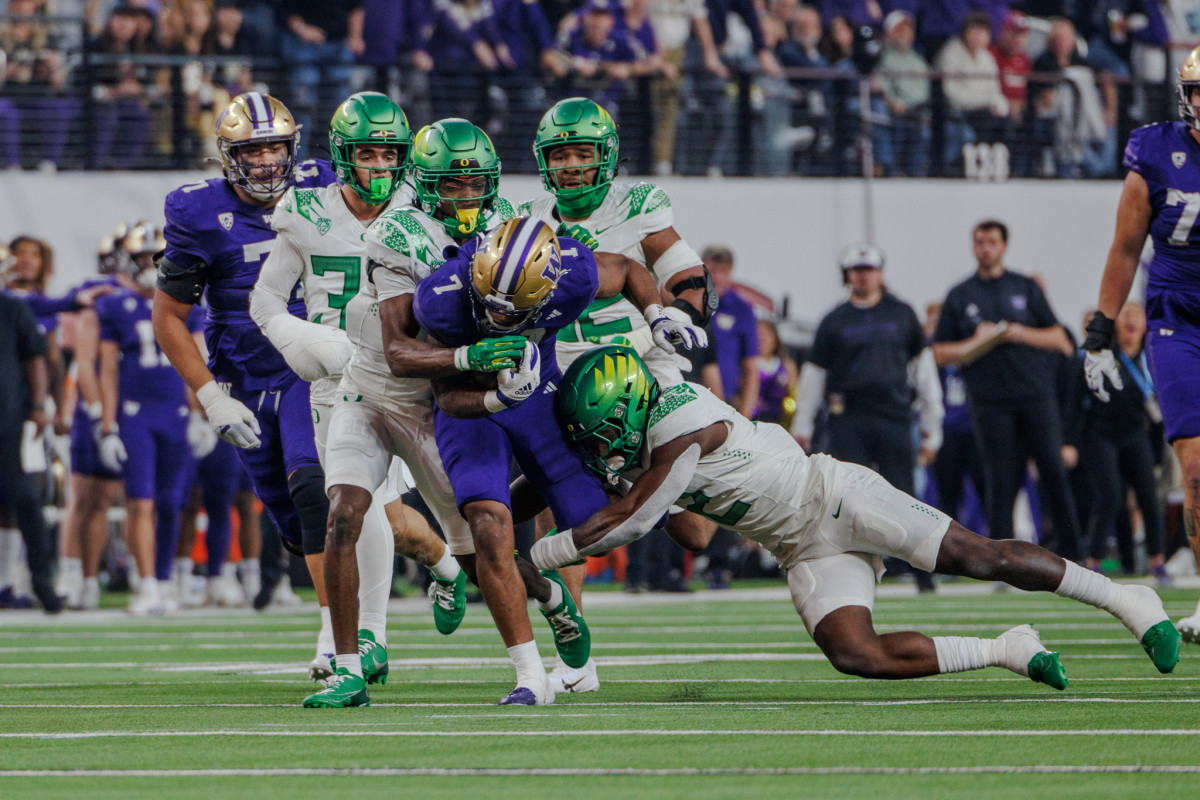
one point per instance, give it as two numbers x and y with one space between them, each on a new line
351 269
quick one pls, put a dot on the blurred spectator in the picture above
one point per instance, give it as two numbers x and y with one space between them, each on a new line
35 94
1108 27
777 377
850 51
1118 444
321 38
23 404
857 12
941 20
1011 51
718 14
389 30
673 21
734 332
121 91
1085 123
230 38
977 107
558 12
454 41
905 88
530 66
802 47
998 326
603 55
189 24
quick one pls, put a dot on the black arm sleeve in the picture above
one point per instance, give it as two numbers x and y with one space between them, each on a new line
185 284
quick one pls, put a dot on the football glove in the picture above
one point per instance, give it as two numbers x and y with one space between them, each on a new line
231 420
112 452
490 355
671 326
579 234
202 439
515 386
1098 363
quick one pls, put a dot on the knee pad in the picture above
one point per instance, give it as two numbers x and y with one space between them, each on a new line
306 486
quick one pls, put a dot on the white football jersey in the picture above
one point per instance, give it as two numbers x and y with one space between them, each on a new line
758 483
630 212
317 228
403 245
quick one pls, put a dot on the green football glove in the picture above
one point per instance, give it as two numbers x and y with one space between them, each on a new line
579 234
490 355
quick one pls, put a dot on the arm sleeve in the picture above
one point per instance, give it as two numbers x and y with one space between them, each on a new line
279 274
809 392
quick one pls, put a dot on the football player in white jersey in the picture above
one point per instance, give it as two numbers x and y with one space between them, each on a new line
321 244
576 148
828 523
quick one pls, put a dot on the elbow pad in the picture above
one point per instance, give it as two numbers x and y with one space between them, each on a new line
185 284
700 316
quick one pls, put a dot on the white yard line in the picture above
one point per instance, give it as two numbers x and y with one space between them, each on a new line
602 733
656 703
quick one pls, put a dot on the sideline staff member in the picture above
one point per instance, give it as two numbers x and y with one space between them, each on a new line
23 383
1011 379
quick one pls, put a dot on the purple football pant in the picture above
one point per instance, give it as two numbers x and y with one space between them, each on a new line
157 467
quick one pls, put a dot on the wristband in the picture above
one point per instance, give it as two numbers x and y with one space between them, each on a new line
653 313
210 393
690 310
462 361
1099 333
492 402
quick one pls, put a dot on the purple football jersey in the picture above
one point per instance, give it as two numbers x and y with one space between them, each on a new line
1168 157
443 306
146 375
211 228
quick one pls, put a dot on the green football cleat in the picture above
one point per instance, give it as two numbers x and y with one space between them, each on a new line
1046 668
1161 643
449 602
572 638
342 691
374 658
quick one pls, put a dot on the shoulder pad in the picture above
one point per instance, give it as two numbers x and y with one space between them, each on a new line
646 198
393 231
504 210
187 203
306 204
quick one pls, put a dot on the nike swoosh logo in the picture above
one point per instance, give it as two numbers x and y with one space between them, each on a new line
570 687
837 513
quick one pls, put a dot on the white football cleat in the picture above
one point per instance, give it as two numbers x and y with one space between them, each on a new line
147 604
565 680
1189 628
225 591
89 595
529 694
320 669
284 596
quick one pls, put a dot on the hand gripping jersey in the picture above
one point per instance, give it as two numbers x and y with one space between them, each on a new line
443 307
213 231
404 246
630 212
323 245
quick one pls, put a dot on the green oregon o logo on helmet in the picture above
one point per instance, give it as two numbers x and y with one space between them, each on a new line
369 118
454 148
578 120
604 405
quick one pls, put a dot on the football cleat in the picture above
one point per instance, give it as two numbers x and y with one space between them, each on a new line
572 638
529 696
89 596
225 591
1025 655
150 604
1189 628
283 596
320 669
449 602
343 690
1162 643
565 680
374 658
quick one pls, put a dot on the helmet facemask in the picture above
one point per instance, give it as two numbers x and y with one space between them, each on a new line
264 182
461 216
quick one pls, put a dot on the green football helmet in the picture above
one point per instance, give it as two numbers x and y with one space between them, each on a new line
454 148
369 118
578 120
604 405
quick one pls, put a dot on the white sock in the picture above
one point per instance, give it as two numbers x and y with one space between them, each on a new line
92 584
325 637
251 569
961 653
446 569
528 663
70 568
1138 607
148 587
351 662
376 555
556 598
183 571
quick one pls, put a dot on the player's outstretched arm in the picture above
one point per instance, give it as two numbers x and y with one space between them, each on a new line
171 331
1133 225
618 274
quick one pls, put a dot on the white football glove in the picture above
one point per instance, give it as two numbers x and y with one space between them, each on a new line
1097 366
515 386
312 351
671 326
231 420
202 439
112 452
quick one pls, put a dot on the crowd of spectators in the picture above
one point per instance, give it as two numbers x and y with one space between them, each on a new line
1050 79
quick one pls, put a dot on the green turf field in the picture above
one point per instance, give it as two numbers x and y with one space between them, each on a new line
716 694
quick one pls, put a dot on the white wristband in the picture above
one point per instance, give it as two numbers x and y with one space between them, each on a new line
652 313
210 393
492 402
551 552
461 362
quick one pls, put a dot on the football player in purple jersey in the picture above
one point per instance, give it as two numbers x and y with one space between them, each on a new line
143 424
218 234
1161 199
520 279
